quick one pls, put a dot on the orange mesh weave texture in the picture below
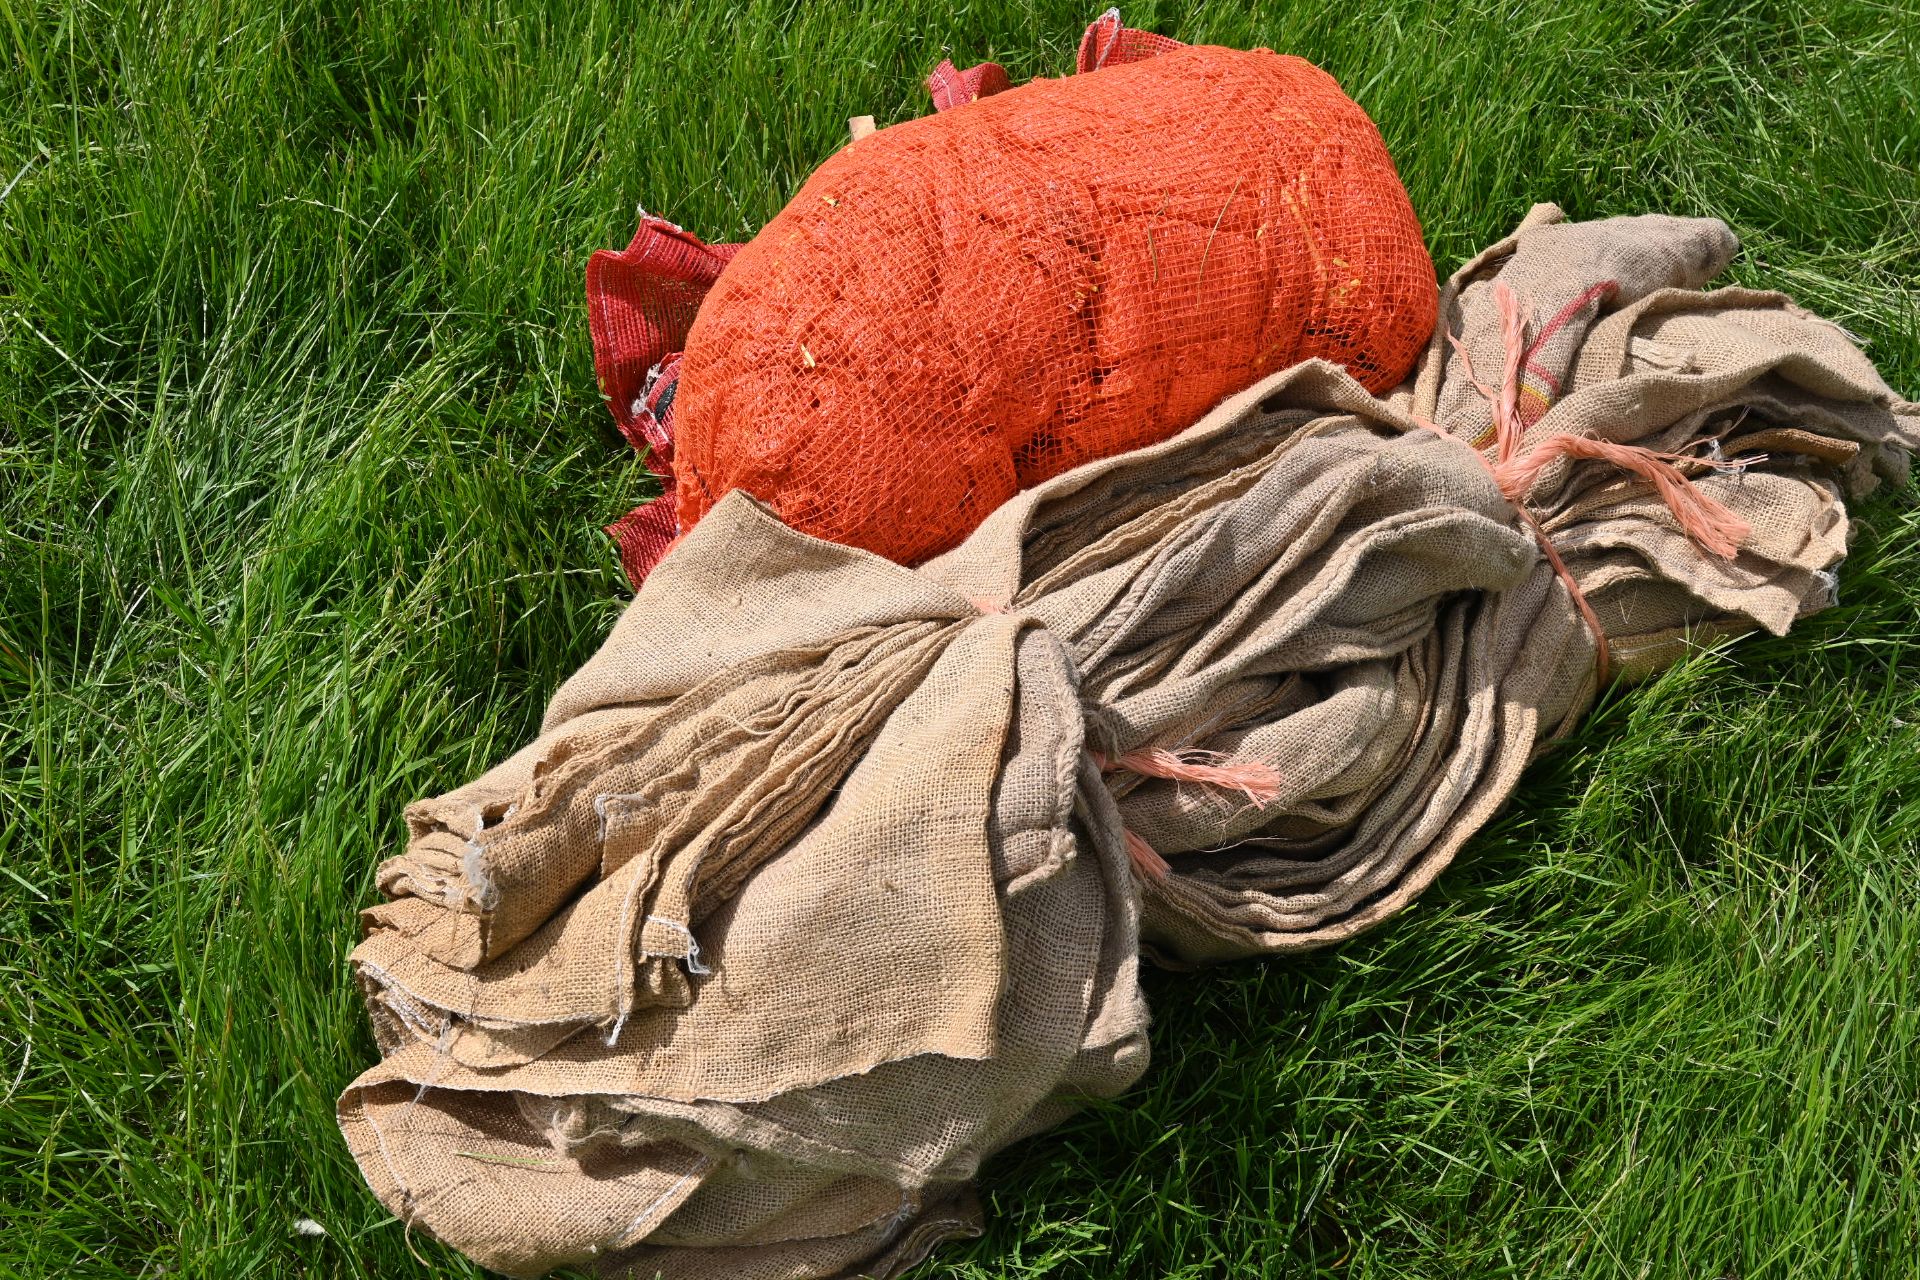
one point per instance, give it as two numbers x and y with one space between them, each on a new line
958 307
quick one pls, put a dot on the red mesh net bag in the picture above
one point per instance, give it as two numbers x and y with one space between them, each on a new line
959 307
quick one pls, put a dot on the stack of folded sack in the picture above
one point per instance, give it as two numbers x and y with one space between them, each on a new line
826 877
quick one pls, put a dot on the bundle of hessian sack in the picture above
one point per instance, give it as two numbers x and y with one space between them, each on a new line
828 876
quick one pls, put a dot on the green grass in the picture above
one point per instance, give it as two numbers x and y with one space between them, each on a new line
301 472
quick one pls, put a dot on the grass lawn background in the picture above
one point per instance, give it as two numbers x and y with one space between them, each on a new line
301 471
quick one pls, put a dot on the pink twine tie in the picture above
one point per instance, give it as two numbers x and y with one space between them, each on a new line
1708 523
1257 781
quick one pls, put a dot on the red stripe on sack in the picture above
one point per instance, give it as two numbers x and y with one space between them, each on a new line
641 301
644 536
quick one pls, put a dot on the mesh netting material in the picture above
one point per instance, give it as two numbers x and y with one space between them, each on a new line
640 303
957 308
963 306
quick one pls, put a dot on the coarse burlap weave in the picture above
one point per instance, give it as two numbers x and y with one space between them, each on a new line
813 892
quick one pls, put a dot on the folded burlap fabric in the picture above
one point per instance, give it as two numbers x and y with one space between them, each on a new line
826 878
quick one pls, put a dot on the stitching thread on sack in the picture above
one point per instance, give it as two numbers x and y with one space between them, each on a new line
605 798
388 983
901 1216
386 1158
692 957
618 1241
442 1054
1106 46
403 1004
480 889
622 946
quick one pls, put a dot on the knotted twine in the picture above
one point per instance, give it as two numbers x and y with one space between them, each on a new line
1711 526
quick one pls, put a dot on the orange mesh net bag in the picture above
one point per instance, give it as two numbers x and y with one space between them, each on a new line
960 307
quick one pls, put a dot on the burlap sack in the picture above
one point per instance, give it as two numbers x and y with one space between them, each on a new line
823 879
